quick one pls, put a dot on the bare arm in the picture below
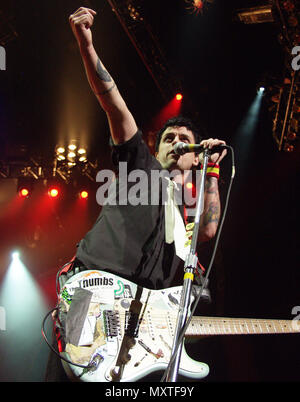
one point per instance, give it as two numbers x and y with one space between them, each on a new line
212 210
212 206
121 122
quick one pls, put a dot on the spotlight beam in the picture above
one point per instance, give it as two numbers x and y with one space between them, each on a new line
246 130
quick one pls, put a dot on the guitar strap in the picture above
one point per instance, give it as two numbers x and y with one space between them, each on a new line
74 266
68 266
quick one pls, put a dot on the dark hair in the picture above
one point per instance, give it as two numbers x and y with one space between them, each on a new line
178 121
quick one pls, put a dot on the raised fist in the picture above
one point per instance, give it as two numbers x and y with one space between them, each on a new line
81 21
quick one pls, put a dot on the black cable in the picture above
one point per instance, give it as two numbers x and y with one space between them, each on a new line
182 333
57 277
46 317
53 349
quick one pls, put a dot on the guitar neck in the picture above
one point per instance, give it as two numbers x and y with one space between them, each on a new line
200 326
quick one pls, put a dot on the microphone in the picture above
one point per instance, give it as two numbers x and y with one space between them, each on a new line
181 148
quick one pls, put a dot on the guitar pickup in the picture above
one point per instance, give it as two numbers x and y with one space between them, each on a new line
131 324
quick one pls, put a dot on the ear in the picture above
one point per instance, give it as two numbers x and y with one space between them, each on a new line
196 160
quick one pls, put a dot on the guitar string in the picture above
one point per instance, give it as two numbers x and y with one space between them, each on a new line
218 321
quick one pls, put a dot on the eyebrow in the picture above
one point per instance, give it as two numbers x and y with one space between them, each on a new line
180 135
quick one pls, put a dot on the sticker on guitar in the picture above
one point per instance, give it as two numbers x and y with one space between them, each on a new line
128 331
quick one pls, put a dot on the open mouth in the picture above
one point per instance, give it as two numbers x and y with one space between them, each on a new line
173 153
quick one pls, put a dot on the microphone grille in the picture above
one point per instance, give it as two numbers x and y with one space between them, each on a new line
178 148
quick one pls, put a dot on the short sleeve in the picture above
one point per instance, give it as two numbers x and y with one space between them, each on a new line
135 152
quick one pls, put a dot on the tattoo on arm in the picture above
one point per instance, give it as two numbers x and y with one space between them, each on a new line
107 90
212 214
210 187
102 74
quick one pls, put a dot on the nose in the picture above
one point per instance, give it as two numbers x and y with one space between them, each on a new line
175 139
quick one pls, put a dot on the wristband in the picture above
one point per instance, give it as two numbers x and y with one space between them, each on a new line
213 170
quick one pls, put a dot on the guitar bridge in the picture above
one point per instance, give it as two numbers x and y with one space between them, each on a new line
111 321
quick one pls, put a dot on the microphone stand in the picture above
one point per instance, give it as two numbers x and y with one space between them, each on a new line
190 267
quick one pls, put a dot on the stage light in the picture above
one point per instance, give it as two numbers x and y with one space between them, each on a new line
178 96
25 186
83 194
256 15
291 136
24 192
71 155
260 87
25 304
60 150
74 154
247 128
288 147
15 255
189 185
53 192
72 147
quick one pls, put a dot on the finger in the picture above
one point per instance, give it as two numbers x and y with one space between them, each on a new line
220 156
92 11
205 143
79 20
80 14
84 16
216 142
83 20
73 17
84 10
211 143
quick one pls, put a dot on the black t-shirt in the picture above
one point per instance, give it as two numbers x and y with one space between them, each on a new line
129 240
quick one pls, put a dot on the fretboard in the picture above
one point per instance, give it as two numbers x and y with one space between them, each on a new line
240 326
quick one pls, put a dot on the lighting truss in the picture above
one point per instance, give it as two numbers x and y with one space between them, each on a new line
285 124
284 93
20 164
256 15
15 167
7 30
287 114
130 15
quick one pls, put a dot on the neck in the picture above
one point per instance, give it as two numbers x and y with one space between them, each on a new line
179 176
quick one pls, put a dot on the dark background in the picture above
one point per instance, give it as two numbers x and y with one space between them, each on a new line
220 62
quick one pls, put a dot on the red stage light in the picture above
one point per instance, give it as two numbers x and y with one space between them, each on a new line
179 97
24 192
53 192
84 195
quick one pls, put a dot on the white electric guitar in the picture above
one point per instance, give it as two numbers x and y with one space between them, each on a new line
128 331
